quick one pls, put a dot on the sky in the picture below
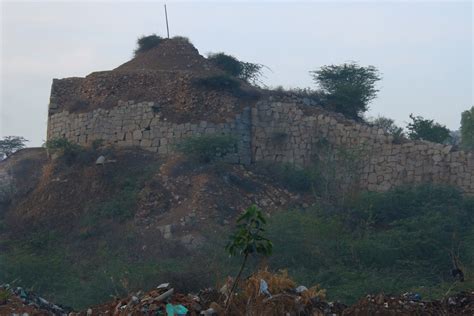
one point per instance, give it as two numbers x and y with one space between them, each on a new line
423 49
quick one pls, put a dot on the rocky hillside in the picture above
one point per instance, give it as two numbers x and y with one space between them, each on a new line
130 213
77 231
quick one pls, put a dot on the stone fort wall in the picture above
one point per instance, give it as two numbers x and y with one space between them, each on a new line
140 124
286 132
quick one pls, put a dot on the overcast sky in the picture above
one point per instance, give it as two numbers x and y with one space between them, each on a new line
424 50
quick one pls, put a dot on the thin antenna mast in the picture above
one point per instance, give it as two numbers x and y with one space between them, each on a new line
167 28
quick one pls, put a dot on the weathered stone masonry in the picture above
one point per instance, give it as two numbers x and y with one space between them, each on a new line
140 124
385 164
281 132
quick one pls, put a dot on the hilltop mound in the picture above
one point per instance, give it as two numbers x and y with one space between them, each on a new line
167 75
170 55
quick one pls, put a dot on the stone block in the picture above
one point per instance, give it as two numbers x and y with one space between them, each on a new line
137 135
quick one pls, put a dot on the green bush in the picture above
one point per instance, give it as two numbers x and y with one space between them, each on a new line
69 151
424 129
249 72
207 148
181 39
146 43
393 242
11 144
127 184
347 88
122 206
229 64
292 177
467 129
332 174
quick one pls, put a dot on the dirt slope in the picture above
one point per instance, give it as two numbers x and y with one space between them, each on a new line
170 55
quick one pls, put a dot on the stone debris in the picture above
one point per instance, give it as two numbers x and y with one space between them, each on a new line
163 300
461 304
17 301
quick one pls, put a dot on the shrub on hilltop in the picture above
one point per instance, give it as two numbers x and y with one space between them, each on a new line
145 43
249 72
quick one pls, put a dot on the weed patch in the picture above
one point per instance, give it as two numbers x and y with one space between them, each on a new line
207 148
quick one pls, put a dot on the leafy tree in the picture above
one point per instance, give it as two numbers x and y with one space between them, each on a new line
348 88
467 129
388 126
423 129
10 144
248 239
249 72
145 43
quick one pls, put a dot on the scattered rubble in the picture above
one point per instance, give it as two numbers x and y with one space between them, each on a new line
263 293
18 301
411 304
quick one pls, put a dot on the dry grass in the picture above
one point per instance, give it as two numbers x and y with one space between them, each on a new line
250 301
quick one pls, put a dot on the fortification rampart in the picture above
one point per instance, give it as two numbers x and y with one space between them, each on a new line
141 124
279 132
285 133
172 103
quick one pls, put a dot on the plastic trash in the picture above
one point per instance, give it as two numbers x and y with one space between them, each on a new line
415 297
178 310
165 295
163 286
301 289
208 312
100 160
264 288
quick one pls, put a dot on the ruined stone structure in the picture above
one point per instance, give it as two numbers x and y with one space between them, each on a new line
164 112
139 124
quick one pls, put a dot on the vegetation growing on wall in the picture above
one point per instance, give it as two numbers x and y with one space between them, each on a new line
68 151
425 129
388 126
467 129
332 176
347 88
249 72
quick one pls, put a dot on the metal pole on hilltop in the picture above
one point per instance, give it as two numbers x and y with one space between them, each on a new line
167 28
